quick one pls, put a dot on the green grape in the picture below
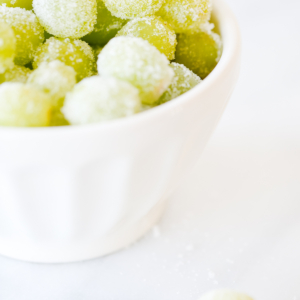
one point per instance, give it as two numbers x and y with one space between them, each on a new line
74 53
96 49
15 74
225 295
28 31
57 118
134 60
22 105
186 15
55 79
155 30
130 9
65 18
106 27
183 80
7 47
199 52
27 4
98 99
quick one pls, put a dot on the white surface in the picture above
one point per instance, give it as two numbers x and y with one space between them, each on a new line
235 222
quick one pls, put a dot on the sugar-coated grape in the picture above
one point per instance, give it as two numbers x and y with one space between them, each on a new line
27 4
106 27
65 18
55 79
15 74
23 105
225 295
74 53
200 51
186 15
135 60
155 30
130 9
7 47
183 80
98 99
28 31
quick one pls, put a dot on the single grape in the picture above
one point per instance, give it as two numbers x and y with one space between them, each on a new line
65 18
134 60
23 105
98 99
7 47
27 4
183 80
155 30
106 27
28 31
74 53
96 49
55 79
15 74
225 295
186 15
130 9
199 52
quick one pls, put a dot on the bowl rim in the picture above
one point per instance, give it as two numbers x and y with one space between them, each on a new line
231 40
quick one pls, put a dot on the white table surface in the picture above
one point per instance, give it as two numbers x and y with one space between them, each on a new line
235 221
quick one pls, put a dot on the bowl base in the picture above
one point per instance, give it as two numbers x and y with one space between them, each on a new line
83 251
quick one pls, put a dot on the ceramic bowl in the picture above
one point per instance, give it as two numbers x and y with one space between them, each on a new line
79 192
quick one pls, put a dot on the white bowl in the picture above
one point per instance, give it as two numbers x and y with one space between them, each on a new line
75 193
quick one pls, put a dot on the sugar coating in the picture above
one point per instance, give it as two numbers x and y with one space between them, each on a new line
183 80
28 31
24 106
129 9
155 30
74 53
134 60
97 99
7 47
200 51
55 79
65 18
15 74
225 295
106 27
186 15
27 4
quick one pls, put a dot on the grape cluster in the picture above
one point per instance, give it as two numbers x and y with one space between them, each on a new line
75 62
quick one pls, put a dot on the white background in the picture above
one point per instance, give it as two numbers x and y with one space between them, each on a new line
235 221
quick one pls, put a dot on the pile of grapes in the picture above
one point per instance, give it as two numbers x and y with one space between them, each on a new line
75 62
